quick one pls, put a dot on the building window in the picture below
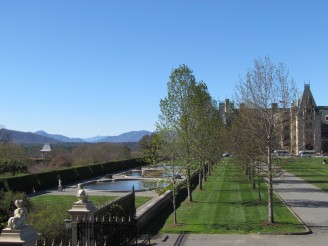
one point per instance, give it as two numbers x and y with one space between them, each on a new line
326 117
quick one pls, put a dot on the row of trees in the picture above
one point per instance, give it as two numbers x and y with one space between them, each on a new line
190 135
263 96
188 132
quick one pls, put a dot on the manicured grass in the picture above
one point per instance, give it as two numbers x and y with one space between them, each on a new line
66 201
310 169
229 205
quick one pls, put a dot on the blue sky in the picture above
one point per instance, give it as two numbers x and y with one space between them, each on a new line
85 68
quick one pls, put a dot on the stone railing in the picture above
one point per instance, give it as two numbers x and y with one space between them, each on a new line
152 209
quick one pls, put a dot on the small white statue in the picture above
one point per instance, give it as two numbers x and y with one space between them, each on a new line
20 216
81 195
60 188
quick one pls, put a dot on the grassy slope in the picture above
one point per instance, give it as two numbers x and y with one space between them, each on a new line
229 205
310 169
66 201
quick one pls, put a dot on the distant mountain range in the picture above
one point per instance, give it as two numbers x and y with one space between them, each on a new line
60 138
41 137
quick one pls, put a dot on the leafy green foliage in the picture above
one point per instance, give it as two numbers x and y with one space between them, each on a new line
12 166
150 145
48 219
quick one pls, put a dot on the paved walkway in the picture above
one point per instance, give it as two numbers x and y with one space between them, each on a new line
308 202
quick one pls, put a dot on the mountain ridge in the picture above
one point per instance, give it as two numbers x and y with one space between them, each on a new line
41 137
59 137
19 137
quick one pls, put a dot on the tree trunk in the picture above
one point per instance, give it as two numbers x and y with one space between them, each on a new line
253 177
270 189
189 185
200 180
204 173
174 206
209 169
259 189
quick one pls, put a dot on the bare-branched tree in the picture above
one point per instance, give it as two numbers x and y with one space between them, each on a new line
265 93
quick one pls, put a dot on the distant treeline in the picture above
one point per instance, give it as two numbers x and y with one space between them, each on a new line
66 154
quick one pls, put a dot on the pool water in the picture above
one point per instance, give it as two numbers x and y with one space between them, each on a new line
126 185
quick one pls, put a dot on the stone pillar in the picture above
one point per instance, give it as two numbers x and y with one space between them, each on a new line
299 133
81 211
317 133
25 236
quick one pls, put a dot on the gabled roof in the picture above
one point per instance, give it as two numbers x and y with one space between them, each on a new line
46 148
307 99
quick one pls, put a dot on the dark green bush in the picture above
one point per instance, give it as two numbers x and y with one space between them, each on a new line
12 166
49 221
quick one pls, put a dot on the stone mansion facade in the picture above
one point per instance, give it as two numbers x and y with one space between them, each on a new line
305 125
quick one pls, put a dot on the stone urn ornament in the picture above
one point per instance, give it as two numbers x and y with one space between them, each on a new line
81 195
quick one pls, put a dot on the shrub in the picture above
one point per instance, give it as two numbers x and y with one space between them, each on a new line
49 221
12 166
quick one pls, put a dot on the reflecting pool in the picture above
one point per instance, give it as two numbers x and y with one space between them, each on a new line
126 185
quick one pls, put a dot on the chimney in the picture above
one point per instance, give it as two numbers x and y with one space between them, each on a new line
226 106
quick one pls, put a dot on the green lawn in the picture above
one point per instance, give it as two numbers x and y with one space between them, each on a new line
229 205
310 169
66 201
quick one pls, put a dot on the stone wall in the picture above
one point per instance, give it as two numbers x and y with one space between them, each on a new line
152 209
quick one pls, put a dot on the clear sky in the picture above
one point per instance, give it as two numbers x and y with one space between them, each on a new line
100 67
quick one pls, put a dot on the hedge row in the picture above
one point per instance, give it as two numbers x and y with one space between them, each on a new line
48 180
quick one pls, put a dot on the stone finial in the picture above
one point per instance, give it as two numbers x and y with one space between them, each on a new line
20 216
81 195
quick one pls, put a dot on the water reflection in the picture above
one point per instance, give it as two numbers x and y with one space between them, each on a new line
126 185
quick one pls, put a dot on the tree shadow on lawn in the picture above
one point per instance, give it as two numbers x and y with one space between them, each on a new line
230 190
311 175
242 227
310 190
250 203
308 204
300 181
